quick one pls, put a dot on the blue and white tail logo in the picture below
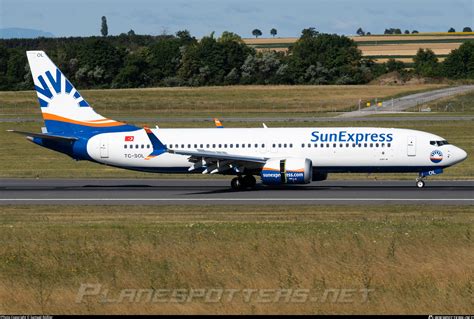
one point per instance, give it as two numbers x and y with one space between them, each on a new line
62 90
63 107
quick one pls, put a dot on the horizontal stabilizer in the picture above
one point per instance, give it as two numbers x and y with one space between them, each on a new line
46 136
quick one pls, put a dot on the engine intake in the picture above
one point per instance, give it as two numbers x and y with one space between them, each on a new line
287 171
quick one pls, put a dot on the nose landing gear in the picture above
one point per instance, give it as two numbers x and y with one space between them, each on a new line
240 183
420 183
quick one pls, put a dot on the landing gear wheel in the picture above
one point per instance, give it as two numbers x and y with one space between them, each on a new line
236 184
420 183
249 181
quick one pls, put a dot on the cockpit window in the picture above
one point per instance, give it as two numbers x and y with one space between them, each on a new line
439 143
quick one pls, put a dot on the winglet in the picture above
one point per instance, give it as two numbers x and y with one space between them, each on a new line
158 147
218 123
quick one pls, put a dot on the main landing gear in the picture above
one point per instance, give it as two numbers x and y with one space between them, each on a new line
240 183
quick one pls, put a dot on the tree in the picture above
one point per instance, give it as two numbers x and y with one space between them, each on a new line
397 31
104 30
331 56
273 32
407 32
426 63
360 32
256 33
451 30
467 29
309 33
185 37
131 33
368 33
459 64
414 32
394 65
229 36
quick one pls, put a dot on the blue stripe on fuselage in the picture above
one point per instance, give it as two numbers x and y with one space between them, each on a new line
83 131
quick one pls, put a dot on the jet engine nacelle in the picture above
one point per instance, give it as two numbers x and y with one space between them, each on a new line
287 171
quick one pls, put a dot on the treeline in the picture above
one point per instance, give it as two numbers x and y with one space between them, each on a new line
130 61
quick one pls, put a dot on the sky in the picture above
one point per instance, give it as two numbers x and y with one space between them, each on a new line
83 18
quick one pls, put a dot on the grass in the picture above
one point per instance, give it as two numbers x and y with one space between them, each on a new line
218 101
23 159
417 259
460 103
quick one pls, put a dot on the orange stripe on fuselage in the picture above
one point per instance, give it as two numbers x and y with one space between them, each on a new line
52 117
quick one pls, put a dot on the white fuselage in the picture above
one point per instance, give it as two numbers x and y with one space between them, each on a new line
343 149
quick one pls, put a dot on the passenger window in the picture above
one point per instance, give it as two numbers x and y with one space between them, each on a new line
334 145
340 145
284 145
353 144
388 144
231 145
225 145
371 145
327 145
195 146
213 145
360 145
182 145
207 145
263 145
256 145
249 145
136 146
291 145
322 145
143 146
382 145
376 144
125 146
243 145
236 145
189 145
365 144
220 145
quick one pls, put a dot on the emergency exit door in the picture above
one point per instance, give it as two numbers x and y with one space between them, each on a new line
104 148
411 146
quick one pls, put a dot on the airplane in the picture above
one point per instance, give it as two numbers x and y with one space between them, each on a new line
280 156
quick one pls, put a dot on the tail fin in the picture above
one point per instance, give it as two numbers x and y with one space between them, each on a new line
64 109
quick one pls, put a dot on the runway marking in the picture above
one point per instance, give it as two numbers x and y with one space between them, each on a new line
233 199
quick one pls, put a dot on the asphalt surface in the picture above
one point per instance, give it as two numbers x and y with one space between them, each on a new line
407 101
194 191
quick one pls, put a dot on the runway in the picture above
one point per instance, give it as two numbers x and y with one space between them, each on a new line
205 192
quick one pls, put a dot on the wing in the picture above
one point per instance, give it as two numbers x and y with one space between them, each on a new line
221 162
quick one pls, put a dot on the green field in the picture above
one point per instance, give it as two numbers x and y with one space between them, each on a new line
21 158
279 101
412 259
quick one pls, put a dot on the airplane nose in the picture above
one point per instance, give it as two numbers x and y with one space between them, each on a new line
462 155
459 155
